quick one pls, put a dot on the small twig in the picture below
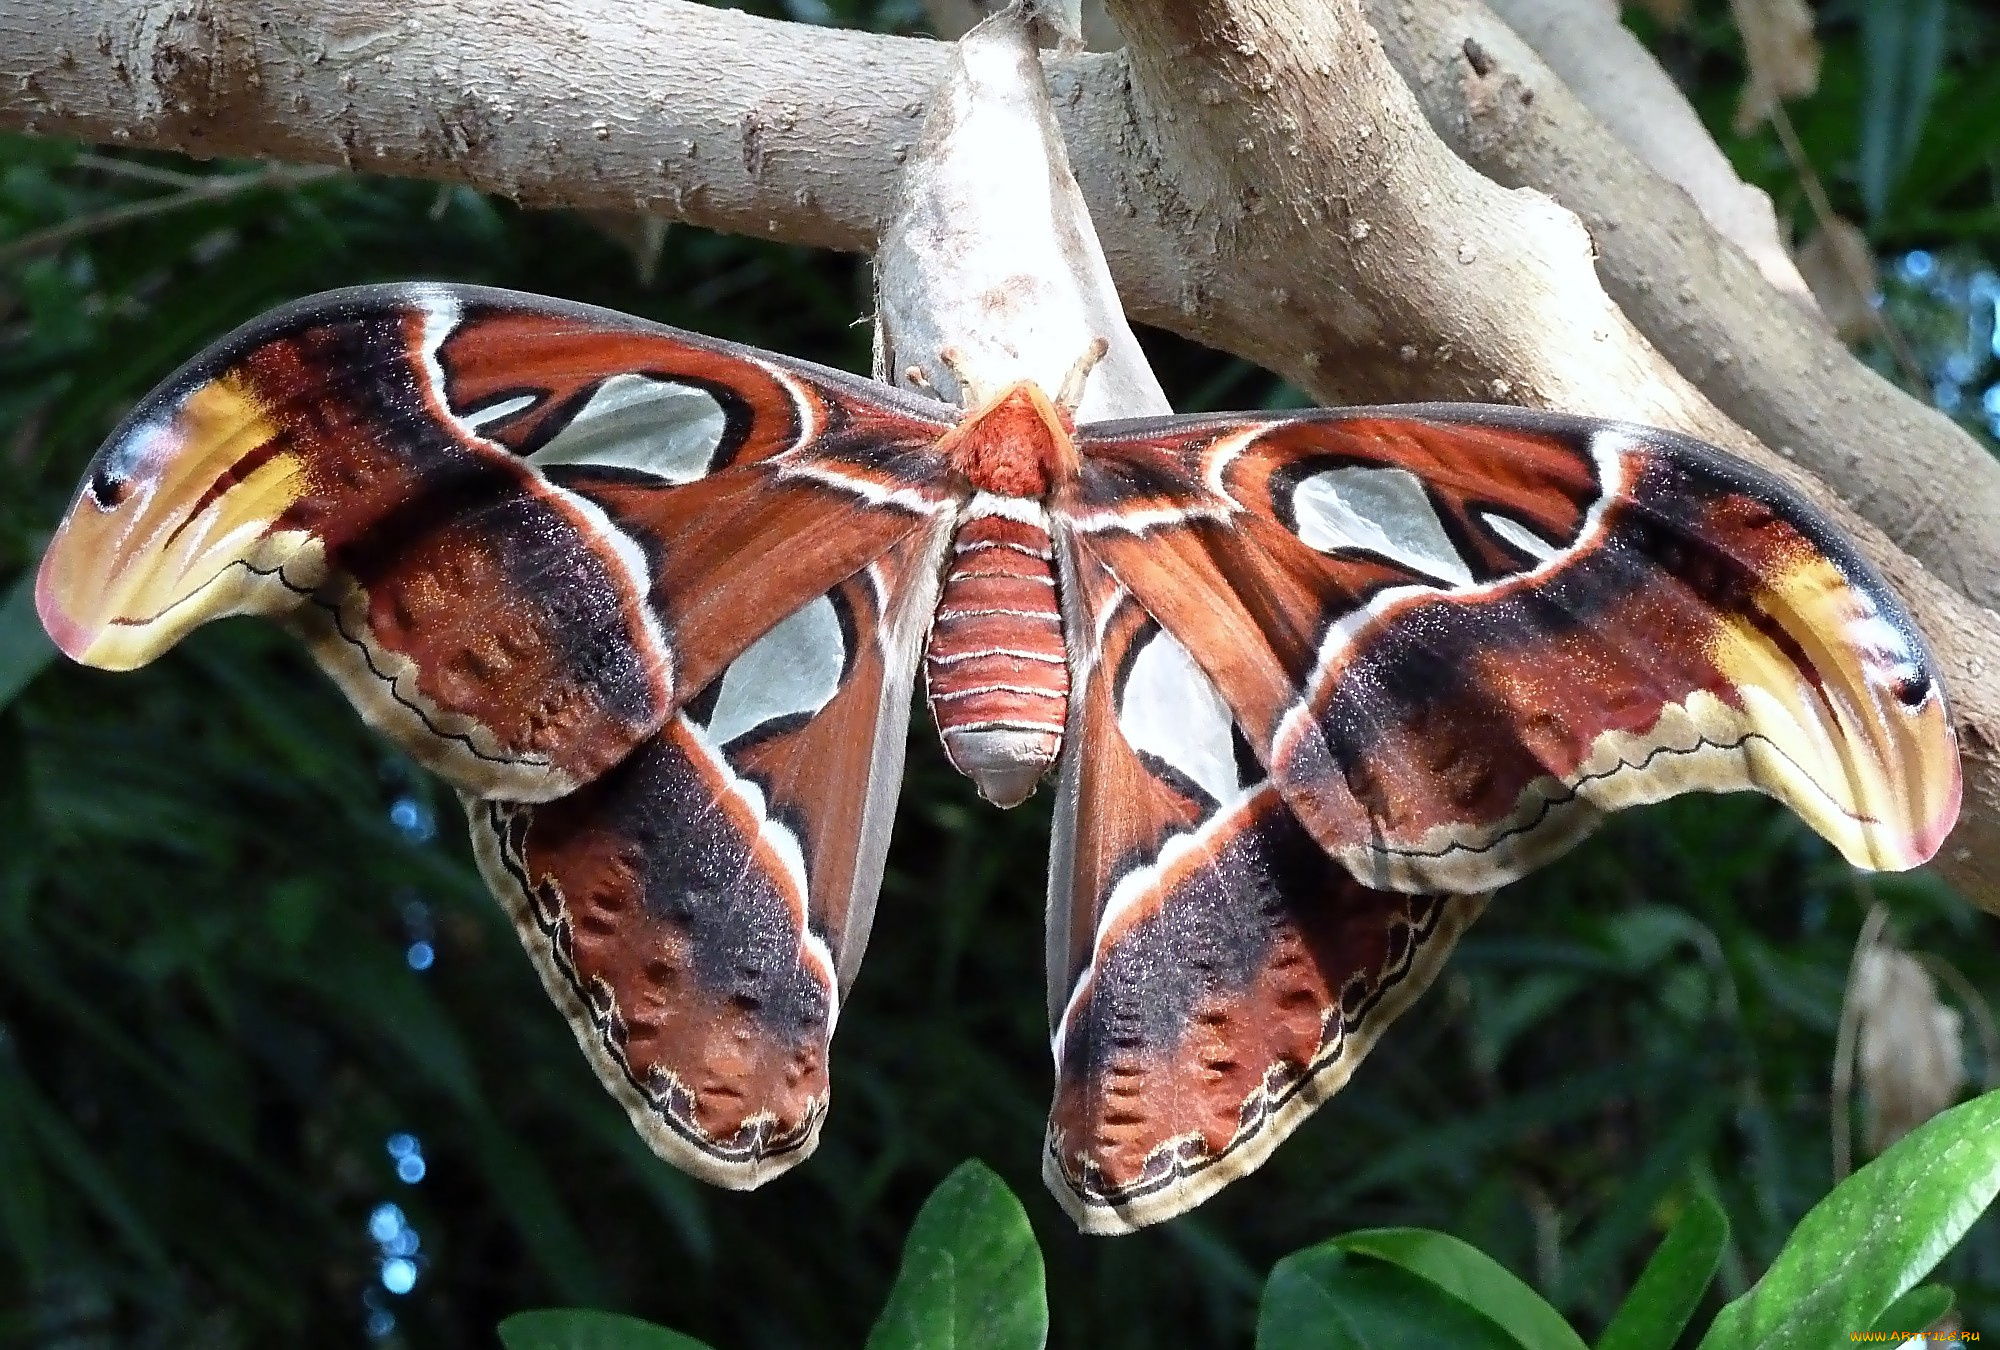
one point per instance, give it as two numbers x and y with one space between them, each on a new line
1822 207
207 190
1841 1097
1546 1218
133 169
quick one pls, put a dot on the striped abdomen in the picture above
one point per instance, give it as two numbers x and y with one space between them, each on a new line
997 674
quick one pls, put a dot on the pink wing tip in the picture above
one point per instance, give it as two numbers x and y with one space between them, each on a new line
1930 835
73 638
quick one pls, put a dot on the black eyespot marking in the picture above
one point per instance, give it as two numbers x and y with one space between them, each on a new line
108 488
1914 688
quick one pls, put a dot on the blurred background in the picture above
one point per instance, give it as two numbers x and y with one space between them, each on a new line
273 1070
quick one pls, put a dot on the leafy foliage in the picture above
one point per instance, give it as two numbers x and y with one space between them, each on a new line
1670 1287
1870 1241
588 1329
243 953
972 1276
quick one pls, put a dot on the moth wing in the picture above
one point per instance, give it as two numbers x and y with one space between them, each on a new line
517 532
698 912
1458 635
1213 975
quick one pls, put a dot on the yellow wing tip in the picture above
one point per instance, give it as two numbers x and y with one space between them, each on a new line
1936 788
177 524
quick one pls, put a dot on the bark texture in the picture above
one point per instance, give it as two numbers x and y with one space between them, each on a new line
795 133
1262 179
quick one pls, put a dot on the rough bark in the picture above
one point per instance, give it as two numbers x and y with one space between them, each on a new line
1261 178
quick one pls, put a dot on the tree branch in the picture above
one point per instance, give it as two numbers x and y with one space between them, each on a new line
1928 484
1261 178
1612 74
200 190
781 130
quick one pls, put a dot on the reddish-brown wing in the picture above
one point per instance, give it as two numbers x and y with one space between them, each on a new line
698 912
1213 974
1456 636
517 532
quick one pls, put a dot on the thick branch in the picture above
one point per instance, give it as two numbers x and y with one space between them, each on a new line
1265 184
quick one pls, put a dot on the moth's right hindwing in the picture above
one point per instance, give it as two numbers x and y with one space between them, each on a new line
699 911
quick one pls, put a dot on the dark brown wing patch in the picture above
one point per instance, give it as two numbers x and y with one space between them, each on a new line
662 911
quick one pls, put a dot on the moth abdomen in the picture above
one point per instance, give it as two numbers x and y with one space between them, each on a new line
997 673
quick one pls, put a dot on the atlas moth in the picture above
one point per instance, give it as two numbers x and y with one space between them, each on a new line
1313 683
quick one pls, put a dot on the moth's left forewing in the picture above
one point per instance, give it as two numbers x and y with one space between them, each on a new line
1458 635
699 911
1213 974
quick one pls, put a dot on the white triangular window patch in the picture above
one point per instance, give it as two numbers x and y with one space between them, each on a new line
1170 710
658 427
1520 536
793 669
1381 511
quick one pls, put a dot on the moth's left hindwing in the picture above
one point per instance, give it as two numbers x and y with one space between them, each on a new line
1455 636
699 911
518 533
1214 976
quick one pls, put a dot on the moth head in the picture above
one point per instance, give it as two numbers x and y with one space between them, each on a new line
177 522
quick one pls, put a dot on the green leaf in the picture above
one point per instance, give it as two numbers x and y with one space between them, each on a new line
1916 1310
1670 1287
24 648
1470 1276
1325 1299
1875 1236
972 1274
588 1329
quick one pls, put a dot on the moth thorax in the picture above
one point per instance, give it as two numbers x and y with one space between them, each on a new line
997 674
1015 445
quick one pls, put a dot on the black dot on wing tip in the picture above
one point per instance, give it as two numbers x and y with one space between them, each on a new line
107 487
1912 690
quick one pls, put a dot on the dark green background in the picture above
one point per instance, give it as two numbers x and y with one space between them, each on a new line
209 1028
